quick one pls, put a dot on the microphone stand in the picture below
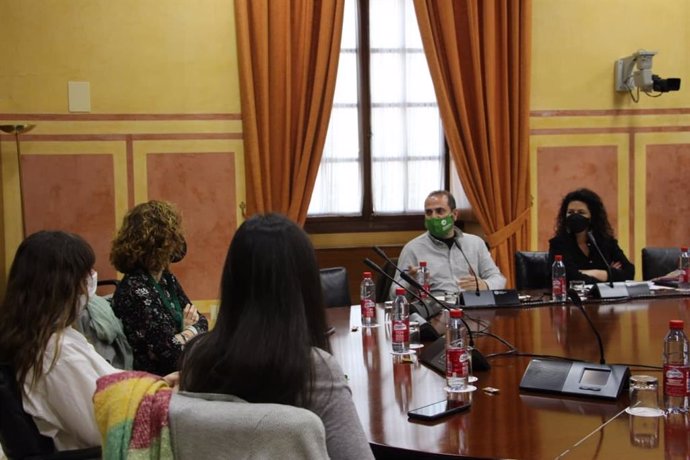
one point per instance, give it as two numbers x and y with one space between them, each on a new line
578 303
591 238
469 266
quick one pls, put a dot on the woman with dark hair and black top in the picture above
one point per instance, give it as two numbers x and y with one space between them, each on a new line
269 344
582 211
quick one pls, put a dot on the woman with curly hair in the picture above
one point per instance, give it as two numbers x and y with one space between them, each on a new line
582 212
49 283
157 316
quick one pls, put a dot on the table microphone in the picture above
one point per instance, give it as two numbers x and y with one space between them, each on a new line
591 238
578 303
479 362
577 378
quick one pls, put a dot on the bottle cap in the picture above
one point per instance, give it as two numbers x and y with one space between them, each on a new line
422 263
684 249
399 291
558 257
676 324
456 313
366 275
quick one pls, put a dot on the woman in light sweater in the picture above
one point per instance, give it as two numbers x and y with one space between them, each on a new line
269 344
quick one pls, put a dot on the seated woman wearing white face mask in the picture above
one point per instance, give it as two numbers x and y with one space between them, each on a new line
55 365
582 216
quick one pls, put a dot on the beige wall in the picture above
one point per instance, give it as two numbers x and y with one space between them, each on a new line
636 155
165 122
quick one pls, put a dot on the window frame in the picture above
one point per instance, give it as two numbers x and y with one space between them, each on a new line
369 221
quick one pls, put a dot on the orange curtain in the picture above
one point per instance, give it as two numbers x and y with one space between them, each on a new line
479 57
288 57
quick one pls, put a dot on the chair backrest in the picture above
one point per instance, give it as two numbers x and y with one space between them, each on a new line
532 270
383 284
19 436
218 426
335 287
659 261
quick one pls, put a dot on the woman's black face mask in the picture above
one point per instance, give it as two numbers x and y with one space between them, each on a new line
180 253
576 223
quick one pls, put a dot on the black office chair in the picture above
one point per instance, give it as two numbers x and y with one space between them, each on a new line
658 262
19 436
335 287
107 292
532 270
383 284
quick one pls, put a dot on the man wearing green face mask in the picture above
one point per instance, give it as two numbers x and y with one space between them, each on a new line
453 257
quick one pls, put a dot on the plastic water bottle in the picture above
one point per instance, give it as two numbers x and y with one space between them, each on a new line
558 286
401 323
684 266
457 356
423 279
676 369
676 439
367 296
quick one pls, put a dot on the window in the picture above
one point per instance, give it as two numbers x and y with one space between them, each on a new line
384 149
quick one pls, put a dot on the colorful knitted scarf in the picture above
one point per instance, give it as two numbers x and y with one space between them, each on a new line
132 416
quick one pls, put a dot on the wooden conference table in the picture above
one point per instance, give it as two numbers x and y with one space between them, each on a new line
512 424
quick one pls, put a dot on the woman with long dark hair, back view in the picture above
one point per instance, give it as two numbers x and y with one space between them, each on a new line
269 344
48 285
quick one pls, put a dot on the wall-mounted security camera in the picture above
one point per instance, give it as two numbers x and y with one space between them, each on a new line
635 72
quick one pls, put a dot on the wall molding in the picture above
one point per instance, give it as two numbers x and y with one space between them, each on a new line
120 116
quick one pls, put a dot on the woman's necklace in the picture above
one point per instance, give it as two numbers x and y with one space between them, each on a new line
169 299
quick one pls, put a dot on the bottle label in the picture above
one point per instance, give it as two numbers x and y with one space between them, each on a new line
558 286
401 331
684 275
457 362
676 380
423 294
368 308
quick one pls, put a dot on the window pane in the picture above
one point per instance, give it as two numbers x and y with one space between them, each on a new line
388 17
425 138
387 76
388 132
336 175
346 81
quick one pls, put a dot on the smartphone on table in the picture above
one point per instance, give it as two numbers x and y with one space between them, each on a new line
438 410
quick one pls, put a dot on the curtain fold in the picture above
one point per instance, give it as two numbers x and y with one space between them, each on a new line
479 57
288 58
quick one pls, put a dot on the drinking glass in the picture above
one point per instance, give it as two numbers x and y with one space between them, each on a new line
451 298
579 287
415 341
644 396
